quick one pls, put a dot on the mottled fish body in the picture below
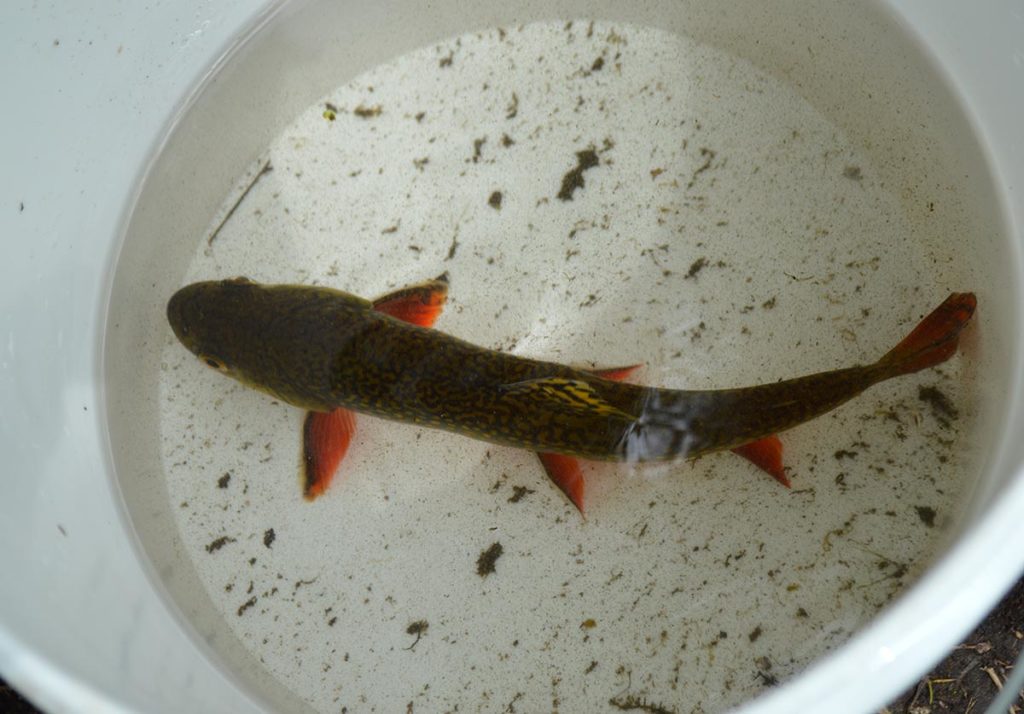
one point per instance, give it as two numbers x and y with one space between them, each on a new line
330 352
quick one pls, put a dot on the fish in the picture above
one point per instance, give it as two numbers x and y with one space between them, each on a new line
334 354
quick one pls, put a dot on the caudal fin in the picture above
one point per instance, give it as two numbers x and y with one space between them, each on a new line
934 340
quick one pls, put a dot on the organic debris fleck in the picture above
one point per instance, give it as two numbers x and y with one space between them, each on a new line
485 563
219 543
573 180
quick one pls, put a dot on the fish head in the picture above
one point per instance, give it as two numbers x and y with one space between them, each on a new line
212 319
260 335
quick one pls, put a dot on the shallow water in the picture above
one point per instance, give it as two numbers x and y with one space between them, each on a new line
597 195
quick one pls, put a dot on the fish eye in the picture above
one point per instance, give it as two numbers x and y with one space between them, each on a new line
214 363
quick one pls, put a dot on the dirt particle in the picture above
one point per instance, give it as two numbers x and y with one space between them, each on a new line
844 454
942 407
330 112
598 65
219 543
478 145
926 514
453 247
708 155
631 702
495 201
246 605
853 173
364 112
269 537
755 633
573 179
519 493
485 563
695 267
224 480
513 107
507 141
588 624
417 628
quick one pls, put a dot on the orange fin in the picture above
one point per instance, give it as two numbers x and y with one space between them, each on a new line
565 472
616 374
766 454
935 338
325 439
417 304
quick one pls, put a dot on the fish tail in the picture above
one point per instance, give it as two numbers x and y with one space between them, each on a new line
934 340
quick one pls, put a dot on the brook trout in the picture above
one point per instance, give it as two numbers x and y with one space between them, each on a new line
333 354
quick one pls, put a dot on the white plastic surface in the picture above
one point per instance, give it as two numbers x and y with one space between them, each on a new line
88 89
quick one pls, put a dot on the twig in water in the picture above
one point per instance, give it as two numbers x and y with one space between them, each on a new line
266 168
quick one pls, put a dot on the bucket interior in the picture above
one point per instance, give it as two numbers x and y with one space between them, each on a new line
728 195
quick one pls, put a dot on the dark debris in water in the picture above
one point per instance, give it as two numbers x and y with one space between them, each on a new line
586 159
631 702
219 543
417 628
695 267
942 407
485 563
926 514
519 493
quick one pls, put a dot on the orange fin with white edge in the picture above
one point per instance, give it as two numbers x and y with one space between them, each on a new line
766 454
565 471
935 338
418 304
325 439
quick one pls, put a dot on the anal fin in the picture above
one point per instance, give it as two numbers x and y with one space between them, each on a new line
766 454
565 472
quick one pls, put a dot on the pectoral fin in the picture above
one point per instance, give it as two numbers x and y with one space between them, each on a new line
418 304
325 439
326 435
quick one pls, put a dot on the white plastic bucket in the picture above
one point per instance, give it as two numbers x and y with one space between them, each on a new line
175 105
